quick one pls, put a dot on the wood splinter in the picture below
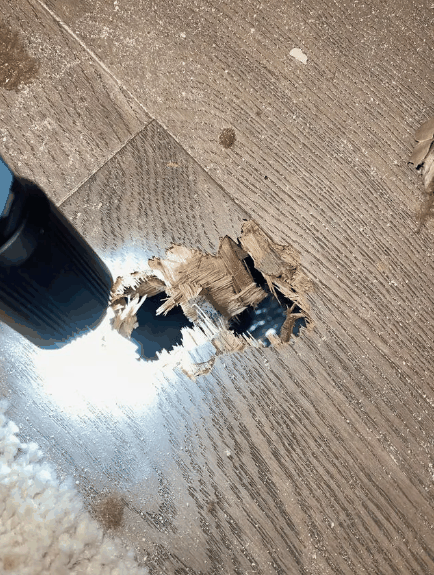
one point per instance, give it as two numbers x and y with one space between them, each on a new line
204 284
423 160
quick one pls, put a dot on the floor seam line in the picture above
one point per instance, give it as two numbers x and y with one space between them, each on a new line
92 54
193 159
133 97
106 161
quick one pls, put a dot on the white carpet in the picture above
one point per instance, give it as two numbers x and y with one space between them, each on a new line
44 528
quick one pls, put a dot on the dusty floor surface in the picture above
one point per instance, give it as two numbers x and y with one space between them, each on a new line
153 124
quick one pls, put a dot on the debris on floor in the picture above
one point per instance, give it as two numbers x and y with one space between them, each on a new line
227 138
17 66
298 55
46 529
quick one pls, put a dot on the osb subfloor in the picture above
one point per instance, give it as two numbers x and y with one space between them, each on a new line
313 458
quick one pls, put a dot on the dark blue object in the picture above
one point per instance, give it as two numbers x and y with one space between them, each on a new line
53 286
6 177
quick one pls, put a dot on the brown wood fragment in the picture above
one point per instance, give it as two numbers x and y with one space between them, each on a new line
280 265
203 284
288 325
426 131
221 279
423 160
128 294
230 256
274 339
125 320
136 283
150 286
426 211
419 153
270 259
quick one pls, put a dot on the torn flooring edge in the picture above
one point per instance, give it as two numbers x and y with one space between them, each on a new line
423 160
213 289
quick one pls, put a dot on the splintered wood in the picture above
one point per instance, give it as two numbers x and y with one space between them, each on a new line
212 289
280 265
222 280
423 160
128 294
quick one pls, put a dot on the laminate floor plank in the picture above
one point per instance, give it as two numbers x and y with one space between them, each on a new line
317 457
312 129
320 157
149 196
313 458
61 114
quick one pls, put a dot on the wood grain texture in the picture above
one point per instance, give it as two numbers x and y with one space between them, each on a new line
148 197
314 129
331 137
68 115
313 459
317 458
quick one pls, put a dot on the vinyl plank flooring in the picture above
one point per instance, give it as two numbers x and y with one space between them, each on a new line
315 458
61 114
339 123
320 157
149 196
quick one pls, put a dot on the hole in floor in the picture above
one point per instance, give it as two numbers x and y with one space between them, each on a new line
199 306
155 333
269 314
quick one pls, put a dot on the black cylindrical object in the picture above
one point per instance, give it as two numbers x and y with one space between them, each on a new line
53 286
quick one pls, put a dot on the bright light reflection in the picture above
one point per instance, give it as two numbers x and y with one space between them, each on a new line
101 369
129 259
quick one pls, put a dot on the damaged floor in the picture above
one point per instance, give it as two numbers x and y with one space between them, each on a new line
213 290
172 144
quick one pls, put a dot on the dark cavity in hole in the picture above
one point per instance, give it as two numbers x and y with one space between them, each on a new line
269 314
158 332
